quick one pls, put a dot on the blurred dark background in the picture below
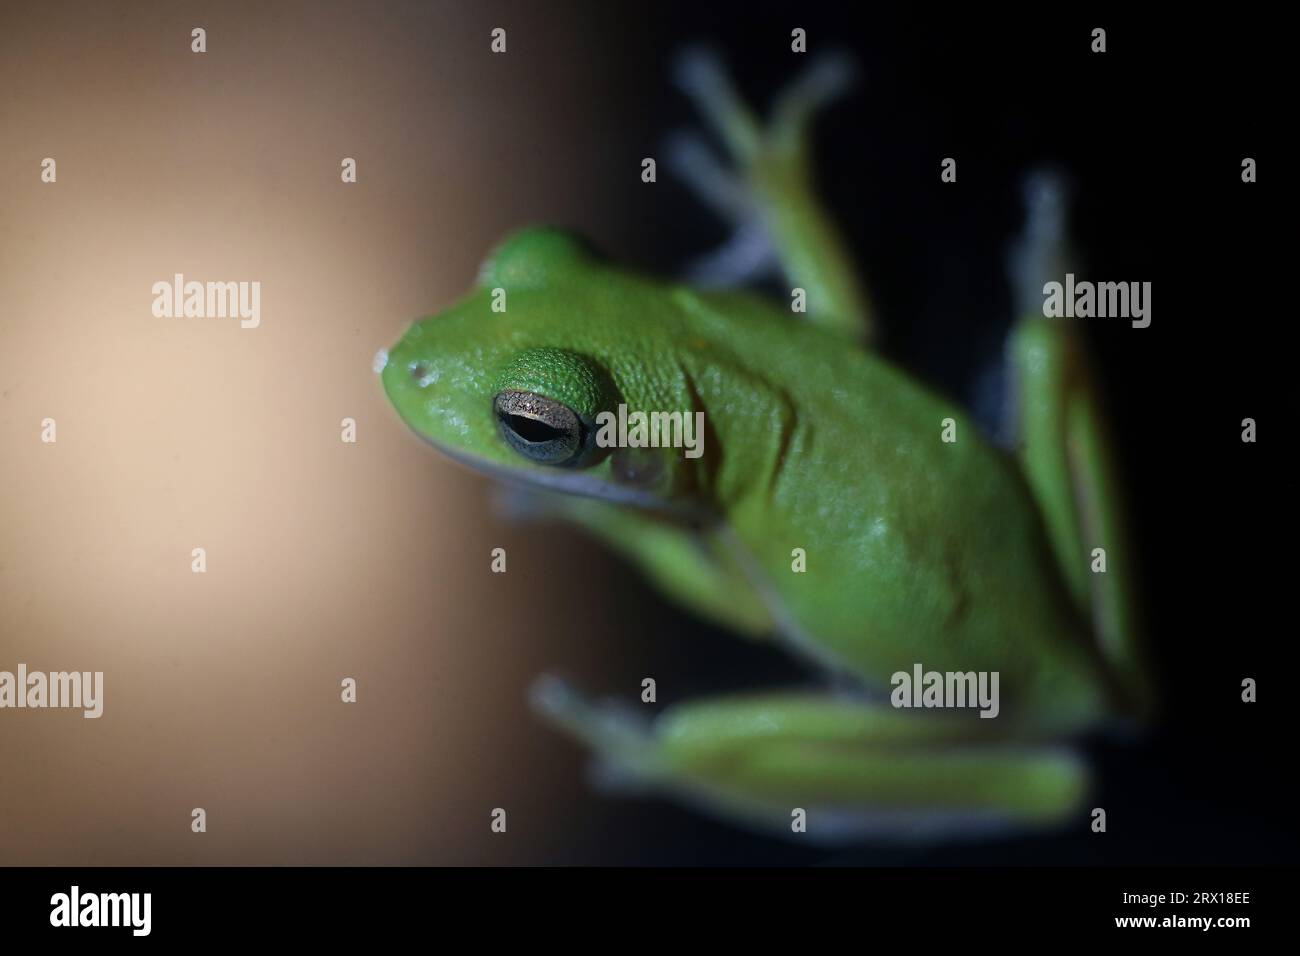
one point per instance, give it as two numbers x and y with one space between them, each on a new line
330 560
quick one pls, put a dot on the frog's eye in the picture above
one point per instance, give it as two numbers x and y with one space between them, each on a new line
540 428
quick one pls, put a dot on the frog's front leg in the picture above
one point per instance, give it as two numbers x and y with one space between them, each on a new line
691 566
773 188
855 769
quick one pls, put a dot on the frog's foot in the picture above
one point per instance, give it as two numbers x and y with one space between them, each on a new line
811 766
748 255
700 74
619 735
768 197
696 164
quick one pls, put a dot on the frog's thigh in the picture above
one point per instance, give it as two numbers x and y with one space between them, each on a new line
863 769
855 770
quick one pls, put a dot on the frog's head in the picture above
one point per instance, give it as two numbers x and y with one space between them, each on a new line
513 380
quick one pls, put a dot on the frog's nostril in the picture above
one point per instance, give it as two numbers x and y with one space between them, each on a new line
423 375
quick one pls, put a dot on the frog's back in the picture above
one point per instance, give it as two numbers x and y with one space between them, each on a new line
909 538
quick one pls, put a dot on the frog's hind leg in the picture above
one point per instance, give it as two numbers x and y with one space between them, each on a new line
772 187
855 771
1065 450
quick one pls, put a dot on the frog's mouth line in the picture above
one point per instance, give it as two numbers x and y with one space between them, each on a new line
575 483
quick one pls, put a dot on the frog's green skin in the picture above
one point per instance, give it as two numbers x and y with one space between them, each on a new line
950 554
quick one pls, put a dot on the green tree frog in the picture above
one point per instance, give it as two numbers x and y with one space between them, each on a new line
839 506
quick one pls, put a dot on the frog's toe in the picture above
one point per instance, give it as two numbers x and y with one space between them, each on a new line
697 68
693 161
609 727
747 256
701 75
